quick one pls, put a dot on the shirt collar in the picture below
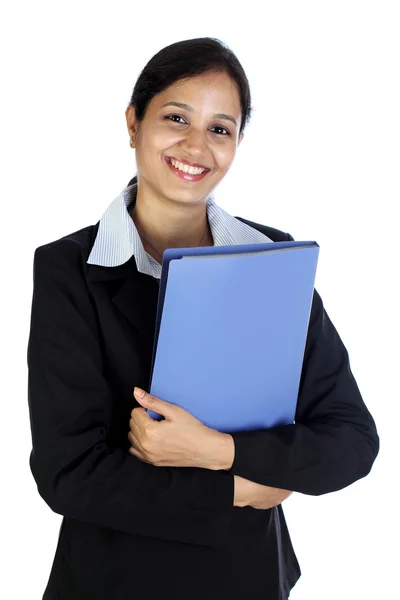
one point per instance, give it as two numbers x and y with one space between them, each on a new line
117 238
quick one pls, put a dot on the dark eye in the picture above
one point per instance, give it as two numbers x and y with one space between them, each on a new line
171 116
215 126
219 127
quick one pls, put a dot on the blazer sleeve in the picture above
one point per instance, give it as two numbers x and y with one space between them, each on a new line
70 409
334 440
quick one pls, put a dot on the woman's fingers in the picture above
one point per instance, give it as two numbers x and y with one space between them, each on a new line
273 498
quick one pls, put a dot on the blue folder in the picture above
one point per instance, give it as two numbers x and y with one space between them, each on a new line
231 329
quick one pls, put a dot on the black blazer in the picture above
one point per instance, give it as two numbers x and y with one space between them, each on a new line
133 530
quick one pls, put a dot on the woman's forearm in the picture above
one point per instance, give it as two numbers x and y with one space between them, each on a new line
217 451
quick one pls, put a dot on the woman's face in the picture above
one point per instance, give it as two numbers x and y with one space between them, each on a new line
192 132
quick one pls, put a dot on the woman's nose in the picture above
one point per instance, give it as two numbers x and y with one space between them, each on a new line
196 142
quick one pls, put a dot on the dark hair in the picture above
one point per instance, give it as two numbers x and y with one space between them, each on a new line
186 59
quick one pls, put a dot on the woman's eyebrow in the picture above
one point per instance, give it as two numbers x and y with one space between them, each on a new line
190 109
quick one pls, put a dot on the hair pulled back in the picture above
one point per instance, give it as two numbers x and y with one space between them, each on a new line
187 59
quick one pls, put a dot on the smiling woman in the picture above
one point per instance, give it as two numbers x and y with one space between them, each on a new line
182 157
188 512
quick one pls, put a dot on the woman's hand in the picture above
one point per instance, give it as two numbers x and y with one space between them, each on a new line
261 497
180 440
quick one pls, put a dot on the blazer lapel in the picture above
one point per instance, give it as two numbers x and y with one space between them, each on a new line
134 294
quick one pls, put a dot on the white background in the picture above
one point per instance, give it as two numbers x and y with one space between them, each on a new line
320 160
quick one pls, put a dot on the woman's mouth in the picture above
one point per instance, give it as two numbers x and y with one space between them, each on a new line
194 175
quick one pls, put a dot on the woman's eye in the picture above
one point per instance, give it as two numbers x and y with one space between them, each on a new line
171 116
219 127
215 126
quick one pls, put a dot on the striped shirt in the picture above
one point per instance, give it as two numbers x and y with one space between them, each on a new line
117 238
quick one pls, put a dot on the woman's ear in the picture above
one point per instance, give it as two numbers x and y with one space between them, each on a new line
132 122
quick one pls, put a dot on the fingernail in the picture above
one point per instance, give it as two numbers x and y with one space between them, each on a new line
139 393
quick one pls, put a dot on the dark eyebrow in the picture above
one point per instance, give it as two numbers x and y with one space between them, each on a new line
190 109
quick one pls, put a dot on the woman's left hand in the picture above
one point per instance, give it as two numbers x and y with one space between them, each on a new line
180 440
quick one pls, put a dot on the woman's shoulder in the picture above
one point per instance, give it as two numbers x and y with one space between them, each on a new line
77 241
65 256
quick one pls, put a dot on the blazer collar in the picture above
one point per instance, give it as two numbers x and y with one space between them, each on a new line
133 293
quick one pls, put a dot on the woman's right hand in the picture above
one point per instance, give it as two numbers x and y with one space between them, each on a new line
261 497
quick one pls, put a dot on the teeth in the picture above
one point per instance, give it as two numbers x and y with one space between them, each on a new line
186 168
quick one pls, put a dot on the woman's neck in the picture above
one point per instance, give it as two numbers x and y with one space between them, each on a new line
208 241
166 227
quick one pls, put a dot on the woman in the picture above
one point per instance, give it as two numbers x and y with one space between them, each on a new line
171 509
